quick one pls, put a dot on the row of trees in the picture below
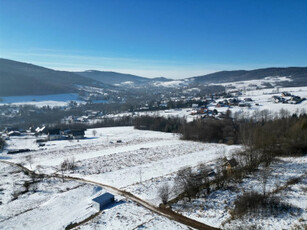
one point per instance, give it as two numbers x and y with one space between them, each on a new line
205 130
2 143
262 138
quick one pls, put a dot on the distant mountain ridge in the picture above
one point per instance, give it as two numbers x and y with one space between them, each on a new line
113 78
298 75
18 79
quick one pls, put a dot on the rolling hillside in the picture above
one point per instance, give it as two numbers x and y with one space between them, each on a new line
115 78
297 74
17 79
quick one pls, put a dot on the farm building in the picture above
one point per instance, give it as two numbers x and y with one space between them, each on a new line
103 200
54 134
78 134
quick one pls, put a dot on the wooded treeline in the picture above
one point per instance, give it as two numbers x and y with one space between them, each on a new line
279 136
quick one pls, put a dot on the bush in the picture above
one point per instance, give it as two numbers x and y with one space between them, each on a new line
164 193
69 164
188 181
253 203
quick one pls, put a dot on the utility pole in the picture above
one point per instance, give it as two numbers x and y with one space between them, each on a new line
140 172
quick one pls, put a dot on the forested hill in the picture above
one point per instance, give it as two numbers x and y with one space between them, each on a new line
297 74
17 78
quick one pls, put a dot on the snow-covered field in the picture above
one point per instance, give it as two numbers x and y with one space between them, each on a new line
259 83
133 160
116 152
53 205
56 204
137 161
127 215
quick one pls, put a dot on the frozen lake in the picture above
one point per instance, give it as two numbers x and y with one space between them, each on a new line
39 98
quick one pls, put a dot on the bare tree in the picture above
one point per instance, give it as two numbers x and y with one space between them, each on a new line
188 181
63 168
164 192
94 132
68 164
284 113
222 177
204 171
29 159
2 144
264 178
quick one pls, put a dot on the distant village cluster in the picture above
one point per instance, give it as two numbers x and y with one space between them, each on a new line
287 98
41 135
207 106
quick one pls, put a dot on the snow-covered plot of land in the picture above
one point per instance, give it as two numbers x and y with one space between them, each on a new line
140 156
177 113
140 162
128 215
214 209
120 156
172 84
53 204
125 83
259 83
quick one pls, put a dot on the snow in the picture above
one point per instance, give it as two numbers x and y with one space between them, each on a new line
57 204
127 215
54 203
102 159
163 153
263 97
260 83
145 156
139 162
171 84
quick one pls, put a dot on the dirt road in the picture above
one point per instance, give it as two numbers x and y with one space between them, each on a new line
158 210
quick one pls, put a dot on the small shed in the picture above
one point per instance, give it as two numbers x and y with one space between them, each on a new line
103 200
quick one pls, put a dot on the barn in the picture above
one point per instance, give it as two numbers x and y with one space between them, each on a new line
103 200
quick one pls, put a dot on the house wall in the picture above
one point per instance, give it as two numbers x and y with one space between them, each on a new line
96 206
54 137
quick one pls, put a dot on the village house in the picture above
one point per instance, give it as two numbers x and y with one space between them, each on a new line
78 134
14 133
285 94
54 134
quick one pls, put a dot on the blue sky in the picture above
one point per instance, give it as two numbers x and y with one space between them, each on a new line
152 38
